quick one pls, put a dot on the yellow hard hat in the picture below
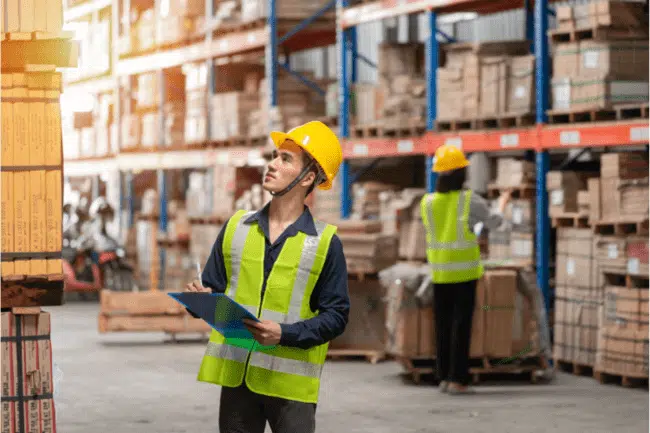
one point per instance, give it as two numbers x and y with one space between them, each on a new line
320 142
449 158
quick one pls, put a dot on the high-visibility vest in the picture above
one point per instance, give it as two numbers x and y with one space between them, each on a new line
452 248
286 372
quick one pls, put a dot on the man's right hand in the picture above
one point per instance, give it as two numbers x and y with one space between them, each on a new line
196 286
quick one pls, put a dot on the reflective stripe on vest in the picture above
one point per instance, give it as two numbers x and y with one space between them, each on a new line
286 365
237 249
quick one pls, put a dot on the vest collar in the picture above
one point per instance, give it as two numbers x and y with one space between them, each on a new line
304 223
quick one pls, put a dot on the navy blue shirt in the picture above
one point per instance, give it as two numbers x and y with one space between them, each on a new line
330 296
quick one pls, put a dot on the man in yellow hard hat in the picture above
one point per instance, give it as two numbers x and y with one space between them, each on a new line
450 216
289 270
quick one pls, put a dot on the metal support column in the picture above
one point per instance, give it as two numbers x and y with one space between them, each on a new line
271 57
128 181
431 68
162 223
543 159
94 188
344 107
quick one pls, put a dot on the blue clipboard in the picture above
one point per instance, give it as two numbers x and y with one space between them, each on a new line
222 314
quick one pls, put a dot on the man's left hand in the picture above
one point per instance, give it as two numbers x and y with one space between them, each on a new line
266 332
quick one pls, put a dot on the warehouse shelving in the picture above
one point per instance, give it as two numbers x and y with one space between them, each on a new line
270 37
540 138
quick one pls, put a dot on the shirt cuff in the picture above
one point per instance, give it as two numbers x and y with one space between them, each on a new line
289 334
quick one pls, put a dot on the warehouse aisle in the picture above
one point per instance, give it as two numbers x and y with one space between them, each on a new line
135 383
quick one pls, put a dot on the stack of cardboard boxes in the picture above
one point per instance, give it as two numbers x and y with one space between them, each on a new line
578 297
624 187
297 104
517 243
196 103
401 72
367 249
608 70
486 80
254 10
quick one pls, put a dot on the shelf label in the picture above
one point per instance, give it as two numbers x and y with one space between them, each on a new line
223 44
612 251
405 146
251 38
569 138
454 141
510 140
360 149
639 133
633 266
571 267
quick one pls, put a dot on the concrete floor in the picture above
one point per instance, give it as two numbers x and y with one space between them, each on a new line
137 383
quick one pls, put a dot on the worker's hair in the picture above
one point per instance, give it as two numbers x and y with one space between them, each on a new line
307 159
452 181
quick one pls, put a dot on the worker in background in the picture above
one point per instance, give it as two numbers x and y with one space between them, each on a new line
290 271
450 215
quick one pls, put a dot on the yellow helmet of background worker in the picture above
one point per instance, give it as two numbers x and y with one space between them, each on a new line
449 158
320 143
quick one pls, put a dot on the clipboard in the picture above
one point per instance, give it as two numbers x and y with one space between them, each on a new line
223 314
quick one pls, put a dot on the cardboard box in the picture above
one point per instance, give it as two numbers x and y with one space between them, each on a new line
7 220
594 199
624 198
521 85
493 96
624 165
31 377
366 330
623 351
616 60
514 173
576 325
575 265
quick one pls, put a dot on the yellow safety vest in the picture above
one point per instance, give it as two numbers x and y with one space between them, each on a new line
452 248
286 372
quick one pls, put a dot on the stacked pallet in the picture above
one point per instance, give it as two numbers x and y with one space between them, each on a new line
196 103
568 197
503 331
148 311
487 81
94 49
516 243
600 60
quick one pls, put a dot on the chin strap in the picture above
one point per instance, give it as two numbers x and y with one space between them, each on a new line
297 180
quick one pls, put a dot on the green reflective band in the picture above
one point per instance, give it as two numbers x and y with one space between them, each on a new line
455 266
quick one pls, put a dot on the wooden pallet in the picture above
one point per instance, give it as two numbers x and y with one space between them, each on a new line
32 290
596 33
35 36
208 219
560 117
621 227
626 380
525 191
574 368
417 368
631 111
372 356
510 120
576 220
455 125
621 278
394 131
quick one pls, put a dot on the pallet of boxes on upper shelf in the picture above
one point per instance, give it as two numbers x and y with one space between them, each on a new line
486 85
600 62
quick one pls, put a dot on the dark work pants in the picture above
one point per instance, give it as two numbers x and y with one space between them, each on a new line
453 312
243 411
